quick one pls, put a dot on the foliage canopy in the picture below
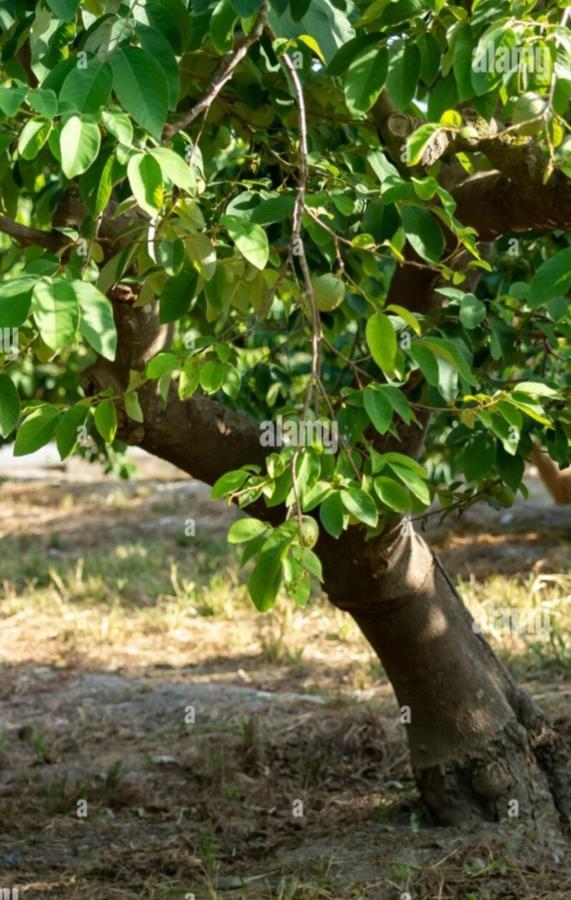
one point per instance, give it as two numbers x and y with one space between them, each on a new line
352 214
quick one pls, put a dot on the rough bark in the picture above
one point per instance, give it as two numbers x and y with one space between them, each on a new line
480 748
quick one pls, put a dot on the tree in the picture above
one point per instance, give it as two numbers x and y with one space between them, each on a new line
319 252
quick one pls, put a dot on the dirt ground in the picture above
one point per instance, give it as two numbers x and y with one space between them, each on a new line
159 739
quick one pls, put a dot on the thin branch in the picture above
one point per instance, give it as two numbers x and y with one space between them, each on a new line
32 237
227 68
296 243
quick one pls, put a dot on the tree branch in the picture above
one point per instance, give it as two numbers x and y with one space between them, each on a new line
522 191
225 72
32 237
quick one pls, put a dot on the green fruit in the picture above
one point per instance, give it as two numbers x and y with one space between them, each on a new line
329 292
527 107
223 138
504 495
308 532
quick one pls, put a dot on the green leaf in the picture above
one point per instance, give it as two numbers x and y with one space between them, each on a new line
159 48
332 514
106 420
326 22
419 140
15 301
298 8
250 239
484 73
163 363
398 401
11 98
68 429
472 311
56 312
79 145
141 87
404 71
222 22
175 168
177 295
423 232
536 387
360 505
87 89
382 341
312 563
32 138
104 186
202 254
402 460
478 455
463 53
119 125
96 322
365 79
146 180
392 494
265 580
406 316
378 408
449 351
413 481
212 376
245 530
551 280
273 210
44 102
10 406
36 430
63 9
189 380
247 8
228 483
133 407
426 361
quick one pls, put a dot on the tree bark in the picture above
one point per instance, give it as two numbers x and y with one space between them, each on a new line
480 748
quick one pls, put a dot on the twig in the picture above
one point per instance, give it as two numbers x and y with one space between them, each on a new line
229 64
297 248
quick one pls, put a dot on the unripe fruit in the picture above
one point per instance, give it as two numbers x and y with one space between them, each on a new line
308 532
529 106
329 292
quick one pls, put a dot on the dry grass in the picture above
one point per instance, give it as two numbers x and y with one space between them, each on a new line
99 581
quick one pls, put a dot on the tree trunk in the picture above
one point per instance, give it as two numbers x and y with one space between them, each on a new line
480 748
556 480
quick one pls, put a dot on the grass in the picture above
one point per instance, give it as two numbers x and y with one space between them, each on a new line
142 591
100 579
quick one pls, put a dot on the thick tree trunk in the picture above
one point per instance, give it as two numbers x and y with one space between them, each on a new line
480 748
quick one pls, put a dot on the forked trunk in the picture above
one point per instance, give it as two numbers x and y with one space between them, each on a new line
480 748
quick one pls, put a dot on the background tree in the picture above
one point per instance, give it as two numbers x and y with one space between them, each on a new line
346 214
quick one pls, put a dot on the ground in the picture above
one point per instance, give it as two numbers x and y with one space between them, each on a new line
160 739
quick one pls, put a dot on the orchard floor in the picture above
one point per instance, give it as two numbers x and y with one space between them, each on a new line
159 739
